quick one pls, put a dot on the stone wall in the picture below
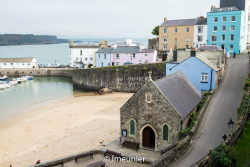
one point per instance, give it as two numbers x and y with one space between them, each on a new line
127 78
37 72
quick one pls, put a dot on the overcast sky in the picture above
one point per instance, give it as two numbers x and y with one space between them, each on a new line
95 18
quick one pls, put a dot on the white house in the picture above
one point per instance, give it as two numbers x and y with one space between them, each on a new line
200 32
26 62
82 55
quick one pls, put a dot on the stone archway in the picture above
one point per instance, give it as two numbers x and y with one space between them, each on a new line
148 137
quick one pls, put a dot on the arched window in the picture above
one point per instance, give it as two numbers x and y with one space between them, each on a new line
165 132
132 127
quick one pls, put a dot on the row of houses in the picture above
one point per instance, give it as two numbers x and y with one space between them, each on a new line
26 62
227 27
94 55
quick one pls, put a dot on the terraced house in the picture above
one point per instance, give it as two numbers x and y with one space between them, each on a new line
226 28
176 34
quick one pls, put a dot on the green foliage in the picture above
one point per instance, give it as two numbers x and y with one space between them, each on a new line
145 68
203 101
156 31
247 84
245 100
223 156
90 65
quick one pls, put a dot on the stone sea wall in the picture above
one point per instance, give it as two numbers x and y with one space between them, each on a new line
128 78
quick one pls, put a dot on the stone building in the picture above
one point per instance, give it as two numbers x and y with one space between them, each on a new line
154 115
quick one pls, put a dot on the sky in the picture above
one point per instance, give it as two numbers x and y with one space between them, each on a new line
95 18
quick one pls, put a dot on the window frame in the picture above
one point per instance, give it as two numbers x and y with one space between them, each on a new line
129 127
168 132
204 77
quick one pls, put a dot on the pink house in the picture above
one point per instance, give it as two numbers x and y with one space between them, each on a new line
123 55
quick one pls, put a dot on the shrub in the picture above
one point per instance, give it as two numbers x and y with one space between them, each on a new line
223 156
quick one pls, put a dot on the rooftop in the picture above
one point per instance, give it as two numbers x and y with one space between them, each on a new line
105 50
201 21
180 92
225 9
127 49
209 48
16 60
181 22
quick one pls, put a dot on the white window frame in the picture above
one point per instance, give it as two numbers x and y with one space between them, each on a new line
232 18
215 19
148 97
204 77
225 28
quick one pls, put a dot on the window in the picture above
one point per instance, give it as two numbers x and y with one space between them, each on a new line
223 37
165 131
186 40
224 19
134 55
117 56
215 28
105 56
102 64
175 30
204 77
200 29
165 30
165 47
132 127
216 20
99 56
200 38
224 28
232 28
108 64
86 58
231 47
165 40
233 18
214 38
117 63
232 37
187 29
11 63
148 97
80 52
91 58
146 54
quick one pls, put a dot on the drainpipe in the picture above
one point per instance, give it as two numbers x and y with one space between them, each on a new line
211 81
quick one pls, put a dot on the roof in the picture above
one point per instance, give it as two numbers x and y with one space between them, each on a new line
182 22
226 9
180 92
127 49
207 62
201 21
105 50
16 60
147 51
209 47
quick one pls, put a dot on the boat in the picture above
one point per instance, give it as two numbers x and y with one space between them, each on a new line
4 79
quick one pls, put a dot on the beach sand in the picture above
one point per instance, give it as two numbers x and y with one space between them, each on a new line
60 129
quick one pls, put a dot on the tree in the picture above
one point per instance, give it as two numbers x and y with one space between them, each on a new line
156 31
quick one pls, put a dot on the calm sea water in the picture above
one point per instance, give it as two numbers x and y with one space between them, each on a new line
31 93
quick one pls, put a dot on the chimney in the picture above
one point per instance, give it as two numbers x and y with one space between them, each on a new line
165 19
193 53
175 55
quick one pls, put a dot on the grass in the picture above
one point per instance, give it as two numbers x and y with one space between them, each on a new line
242 147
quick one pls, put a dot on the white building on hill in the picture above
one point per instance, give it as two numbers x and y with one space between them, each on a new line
27 62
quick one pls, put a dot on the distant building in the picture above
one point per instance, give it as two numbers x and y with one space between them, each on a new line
200 32
226 28
104 57
123 55
155 114
82 55
153 43
27 62
199 70
240 4
176 34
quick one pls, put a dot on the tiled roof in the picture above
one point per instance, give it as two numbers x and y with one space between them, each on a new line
127 49
201 21
105 50
209 47
226 9
16 60
182 22
180 92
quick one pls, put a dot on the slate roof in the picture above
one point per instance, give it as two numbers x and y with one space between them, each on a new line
201 21
182 22
105 50
207 62
209 47
127 49
226 9
147 51
180 92
16 60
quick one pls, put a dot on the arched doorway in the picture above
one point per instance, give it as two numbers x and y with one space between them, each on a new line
148 138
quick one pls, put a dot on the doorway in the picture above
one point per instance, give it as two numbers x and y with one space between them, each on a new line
148 138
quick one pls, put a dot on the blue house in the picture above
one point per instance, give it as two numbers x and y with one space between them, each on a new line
103 57
199 70
226 28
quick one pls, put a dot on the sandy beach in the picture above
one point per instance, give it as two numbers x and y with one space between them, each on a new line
60 129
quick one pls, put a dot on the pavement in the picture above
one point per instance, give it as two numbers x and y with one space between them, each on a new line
223 105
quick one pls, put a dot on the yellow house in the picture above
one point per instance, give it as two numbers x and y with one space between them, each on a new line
176 34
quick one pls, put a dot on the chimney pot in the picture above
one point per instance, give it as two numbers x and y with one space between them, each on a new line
165 19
